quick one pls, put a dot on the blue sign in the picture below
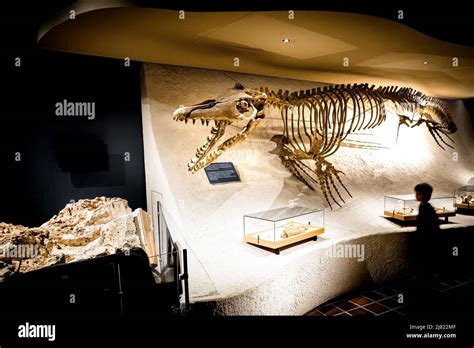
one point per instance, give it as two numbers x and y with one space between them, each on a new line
222 172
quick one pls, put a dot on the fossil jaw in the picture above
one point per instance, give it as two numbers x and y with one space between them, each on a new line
199 160
239 105
206 154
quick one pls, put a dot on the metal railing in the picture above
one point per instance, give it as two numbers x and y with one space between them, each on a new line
172 260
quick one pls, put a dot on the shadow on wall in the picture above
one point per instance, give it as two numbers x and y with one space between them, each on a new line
87 159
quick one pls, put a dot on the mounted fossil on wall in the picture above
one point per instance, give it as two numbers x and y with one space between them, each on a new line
314 124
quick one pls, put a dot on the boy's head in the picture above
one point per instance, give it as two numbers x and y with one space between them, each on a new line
423 192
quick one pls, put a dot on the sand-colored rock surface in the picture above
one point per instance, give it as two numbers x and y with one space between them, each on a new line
82 230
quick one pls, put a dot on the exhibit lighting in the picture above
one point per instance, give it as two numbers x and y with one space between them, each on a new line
411 146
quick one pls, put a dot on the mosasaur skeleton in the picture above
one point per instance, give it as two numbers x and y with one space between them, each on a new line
314 124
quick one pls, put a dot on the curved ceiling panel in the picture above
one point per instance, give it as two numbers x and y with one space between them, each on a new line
331 47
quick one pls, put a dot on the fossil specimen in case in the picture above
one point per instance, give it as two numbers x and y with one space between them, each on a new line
314 124
282 227
405 211
467 199
464 197
406 207
293 228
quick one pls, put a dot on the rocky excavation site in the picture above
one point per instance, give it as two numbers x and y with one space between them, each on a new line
85 229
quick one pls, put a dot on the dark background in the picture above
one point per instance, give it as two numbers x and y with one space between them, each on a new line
64 158
68 158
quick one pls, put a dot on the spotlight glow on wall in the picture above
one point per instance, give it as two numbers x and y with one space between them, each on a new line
411 148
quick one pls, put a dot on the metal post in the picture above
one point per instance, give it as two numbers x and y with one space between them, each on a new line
185 277
120 292
176 274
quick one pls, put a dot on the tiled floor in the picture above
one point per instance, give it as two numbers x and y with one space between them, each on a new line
397 300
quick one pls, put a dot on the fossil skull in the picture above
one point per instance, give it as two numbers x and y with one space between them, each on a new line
239 104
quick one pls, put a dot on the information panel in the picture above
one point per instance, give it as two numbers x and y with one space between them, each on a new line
222 172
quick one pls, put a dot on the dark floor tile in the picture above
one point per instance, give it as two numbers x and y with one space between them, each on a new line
336 302
464 285
402 310
315 313
390 303
361 300
446 295
470 283
400 284
441 286
399 296
359 312
463 279
325 308
398 287
374 296
392 314
400 290
343 314
346 305
333 312
386 291
376 308
401 300
450 282
461 292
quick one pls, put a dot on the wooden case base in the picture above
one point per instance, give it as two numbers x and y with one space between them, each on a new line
464 206
402 217
253 239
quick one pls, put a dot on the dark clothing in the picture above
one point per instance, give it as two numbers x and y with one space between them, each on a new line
424 251
427 223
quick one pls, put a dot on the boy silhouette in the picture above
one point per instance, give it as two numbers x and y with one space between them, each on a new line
424 252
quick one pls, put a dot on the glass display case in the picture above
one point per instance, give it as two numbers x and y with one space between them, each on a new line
464 197
405 207
278 228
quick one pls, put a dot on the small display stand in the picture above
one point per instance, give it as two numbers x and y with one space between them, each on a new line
278 228
464 197
405 207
